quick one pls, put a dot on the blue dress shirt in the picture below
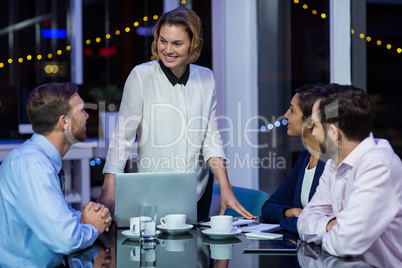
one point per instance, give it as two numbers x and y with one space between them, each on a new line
288 194
38 227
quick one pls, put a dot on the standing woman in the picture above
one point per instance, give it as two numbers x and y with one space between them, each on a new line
170 105
288 201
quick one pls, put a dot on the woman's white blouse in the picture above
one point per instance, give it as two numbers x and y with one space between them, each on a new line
176 125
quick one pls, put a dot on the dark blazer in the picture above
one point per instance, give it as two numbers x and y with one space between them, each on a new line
288 194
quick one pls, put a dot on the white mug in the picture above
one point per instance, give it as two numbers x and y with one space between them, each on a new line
221 223
135 224
173 221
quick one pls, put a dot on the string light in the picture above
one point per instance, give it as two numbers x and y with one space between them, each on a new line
87 42
155 17
352 31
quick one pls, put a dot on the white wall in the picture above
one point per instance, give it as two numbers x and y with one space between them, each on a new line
340 42
234 42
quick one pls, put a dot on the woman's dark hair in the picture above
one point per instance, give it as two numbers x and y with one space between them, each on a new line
307 96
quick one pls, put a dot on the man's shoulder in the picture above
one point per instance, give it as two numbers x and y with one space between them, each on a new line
382 151
28 152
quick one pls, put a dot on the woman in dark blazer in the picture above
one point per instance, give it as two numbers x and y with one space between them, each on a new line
287 202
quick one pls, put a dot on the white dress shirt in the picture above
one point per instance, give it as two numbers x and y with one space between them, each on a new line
174 124
364 193
306 185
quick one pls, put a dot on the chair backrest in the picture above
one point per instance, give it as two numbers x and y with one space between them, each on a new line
251 199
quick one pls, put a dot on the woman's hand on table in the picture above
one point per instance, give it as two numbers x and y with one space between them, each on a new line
229 200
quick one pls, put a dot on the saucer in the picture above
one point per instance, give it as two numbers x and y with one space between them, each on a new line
186 228
132 236
213 235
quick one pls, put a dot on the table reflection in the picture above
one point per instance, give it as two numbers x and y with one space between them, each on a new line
194 249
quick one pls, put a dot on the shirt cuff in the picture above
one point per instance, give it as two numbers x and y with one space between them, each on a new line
112 169
213 153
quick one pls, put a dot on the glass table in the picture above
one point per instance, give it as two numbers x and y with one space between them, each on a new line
194 249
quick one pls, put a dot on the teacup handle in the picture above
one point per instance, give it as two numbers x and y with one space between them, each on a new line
134 227
163 222
162 243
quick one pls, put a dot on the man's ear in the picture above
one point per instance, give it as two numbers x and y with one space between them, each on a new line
335 132
63 122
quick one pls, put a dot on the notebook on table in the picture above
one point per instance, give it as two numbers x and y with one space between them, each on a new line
171 192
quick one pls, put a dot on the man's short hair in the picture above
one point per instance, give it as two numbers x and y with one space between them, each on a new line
349 107
47 103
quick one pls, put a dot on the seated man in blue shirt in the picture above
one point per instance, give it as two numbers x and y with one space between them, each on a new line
38 226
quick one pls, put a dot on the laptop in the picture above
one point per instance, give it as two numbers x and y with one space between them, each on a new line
171 192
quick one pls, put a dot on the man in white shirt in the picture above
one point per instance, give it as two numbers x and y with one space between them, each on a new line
357 208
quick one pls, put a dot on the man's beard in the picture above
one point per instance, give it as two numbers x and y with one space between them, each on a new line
329 149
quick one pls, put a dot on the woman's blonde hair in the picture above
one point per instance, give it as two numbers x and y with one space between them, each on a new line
191 23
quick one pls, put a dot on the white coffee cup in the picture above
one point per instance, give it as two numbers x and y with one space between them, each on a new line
173 245
135 224
221 223
173 221
221 252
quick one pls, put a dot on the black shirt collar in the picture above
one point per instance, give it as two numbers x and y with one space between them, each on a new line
172 78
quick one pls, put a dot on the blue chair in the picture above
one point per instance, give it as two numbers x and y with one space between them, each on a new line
251 199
